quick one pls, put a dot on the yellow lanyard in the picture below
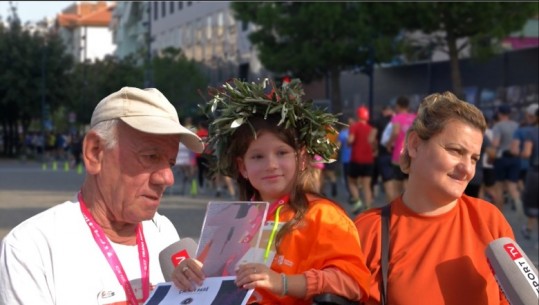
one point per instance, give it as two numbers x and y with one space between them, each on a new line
272 235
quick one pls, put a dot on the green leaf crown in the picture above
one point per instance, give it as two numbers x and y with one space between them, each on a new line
237 101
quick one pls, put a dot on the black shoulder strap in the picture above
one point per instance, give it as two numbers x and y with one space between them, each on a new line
384 259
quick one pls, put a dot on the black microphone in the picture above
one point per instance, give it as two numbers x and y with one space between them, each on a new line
515 273
173 255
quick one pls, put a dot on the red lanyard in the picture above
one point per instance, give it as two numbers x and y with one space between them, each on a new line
102 241
256 223
274 205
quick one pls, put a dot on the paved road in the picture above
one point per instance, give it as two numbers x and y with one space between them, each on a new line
26 189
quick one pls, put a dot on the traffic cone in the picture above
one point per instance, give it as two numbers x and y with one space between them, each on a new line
66 166
194 188
54 165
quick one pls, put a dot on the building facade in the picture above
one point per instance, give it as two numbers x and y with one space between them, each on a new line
207 32
84 29
129 27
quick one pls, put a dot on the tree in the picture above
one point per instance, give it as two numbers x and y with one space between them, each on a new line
17 85
55 74
175 76
311 40
484 23
92 81
179 79
33 71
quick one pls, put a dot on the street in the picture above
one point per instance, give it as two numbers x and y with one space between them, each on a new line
27 189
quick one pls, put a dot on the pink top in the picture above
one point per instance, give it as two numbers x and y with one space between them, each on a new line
404 120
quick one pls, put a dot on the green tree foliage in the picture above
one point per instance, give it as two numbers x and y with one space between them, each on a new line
175 76
315 39
92 81
33 71
36 74
180 80
485 24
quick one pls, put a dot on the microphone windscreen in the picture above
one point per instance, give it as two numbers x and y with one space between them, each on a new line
515 273
173 255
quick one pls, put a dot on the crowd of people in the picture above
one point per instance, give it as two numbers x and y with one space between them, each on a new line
434 229
369 147
53 146
271 145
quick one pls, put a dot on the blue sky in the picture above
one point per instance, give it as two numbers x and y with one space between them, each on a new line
34 10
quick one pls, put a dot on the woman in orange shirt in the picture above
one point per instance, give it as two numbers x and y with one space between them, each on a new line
437 235
267 143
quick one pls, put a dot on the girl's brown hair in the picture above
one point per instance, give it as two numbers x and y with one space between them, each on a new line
304 182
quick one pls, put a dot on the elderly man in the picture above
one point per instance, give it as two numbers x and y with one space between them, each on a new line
102 247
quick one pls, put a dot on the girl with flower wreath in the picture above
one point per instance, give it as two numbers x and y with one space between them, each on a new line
267 141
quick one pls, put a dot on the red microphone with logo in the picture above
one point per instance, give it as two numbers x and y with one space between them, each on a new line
173 255
515 273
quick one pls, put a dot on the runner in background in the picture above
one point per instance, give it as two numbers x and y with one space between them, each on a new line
400 123
362 139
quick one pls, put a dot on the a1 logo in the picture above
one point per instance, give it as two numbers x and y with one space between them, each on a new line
179 257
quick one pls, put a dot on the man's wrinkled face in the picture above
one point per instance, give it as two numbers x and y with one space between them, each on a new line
135 174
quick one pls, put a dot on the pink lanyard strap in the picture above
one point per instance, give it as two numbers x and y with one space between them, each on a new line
274 205
256 223
102 241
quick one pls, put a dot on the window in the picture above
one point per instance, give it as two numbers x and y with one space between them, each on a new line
155 10
180 5
189 3
179 43
198 28
163 8
208 28
171 39
171 7
231 22
188 34
244 72
220 24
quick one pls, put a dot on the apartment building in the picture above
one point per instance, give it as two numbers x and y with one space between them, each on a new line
205 31
129 27
84 28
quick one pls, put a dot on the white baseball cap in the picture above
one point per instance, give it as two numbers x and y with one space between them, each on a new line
532 109
146 110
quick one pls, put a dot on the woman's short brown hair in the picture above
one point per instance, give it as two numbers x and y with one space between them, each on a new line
435 111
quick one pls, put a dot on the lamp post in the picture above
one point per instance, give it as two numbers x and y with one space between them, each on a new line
43 96
368 69
148 79
429 67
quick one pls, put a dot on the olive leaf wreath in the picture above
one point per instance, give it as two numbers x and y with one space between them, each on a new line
236 101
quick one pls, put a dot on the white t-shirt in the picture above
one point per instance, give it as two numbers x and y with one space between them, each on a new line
386 135
184 156
52 258
484 158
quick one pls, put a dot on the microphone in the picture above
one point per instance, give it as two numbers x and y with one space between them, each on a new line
174 254
515 273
